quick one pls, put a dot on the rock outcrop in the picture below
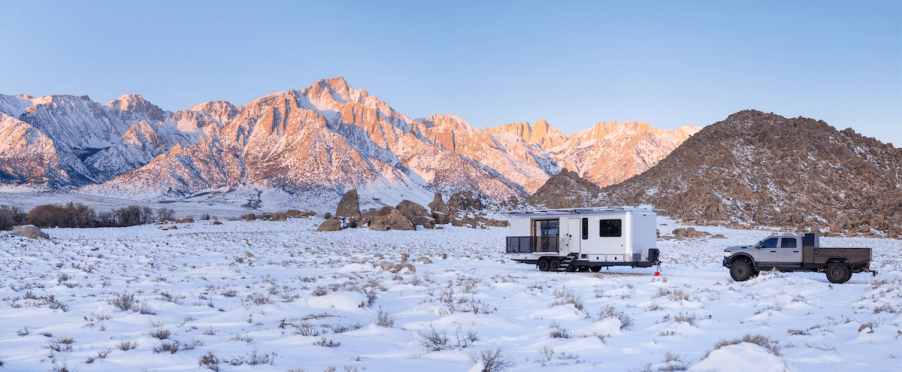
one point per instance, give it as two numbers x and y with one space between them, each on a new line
349 206
440 211
464 200
416 214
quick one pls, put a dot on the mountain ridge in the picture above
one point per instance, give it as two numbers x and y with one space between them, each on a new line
328 137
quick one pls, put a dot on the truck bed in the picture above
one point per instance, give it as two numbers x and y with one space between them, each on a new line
819 256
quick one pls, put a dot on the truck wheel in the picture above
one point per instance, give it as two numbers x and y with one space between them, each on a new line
544 264
595 269
837 273
740 271
555 264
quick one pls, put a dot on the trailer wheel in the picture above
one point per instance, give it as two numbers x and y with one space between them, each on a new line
555 264
740 271
595 269
838 273
544 265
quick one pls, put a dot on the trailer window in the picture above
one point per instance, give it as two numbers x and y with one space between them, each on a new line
549 228
585 228
788 243
609 228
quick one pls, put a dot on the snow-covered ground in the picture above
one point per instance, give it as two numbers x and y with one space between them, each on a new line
286 292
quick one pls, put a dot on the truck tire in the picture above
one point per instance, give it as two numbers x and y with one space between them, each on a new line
544 265
555 264
740 271
838 273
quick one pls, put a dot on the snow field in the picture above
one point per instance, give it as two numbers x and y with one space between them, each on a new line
279 296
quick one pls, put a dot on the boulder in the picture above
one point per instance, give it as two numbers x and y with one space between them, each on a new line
393 221
496 223
378 224
409 268
381 212
250 217
332 224
30 232
378 255
404 257
294 213
464 200
424 260
349 206
188 220
416 214
384 265
443 256
216 223
440 212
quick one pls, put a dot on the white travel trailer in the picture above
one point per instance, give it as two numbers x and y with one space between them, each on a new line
583 239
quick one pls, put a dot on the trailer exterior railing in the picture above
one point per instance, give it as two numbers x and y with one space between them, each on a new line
532 244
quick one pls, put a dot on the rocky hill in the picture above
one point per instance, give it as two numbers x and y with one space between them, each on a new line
765 169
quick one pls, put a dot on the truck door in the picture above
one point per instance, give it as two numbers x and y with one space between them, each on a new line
573 233
790 252
766 252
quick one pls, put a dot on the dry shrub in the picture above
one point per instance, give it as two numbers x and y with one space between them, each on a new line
492 360
609 311
126 345
383 319
765 342
209 361
432 339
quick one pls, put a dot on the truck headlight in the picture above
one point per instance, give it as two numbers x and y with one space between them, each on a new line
727 254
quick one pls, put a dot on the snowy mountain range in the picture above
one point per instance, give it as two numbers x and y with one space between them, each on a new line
324 139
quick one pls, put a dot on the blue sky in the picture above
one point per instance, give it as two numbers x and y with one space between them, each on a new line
572 63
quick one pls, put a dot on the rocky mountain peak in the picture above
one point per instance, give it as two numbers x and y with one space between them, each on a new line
136 103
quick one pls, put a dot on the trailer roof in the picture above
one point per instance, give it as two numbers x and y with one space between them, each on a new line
592 210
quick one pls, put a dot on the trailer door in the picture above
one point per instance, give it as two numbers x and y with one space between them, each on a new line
574 228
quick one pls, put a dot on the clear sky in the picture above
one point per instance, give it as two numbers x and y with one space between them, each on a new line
670 63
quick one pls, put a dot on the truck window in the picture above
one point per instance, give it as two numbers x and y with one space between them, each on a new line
609 228
770 243
585 228
788 243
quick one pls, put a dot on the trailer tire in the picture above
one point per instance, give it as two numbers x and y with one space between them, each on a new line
595 269
544 264
555 264
740 271
838 273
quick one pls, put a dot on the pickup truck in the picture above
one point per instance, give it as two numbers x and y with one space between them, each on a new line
796 253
